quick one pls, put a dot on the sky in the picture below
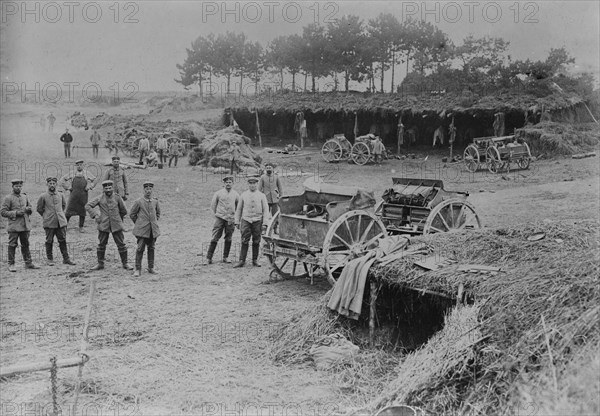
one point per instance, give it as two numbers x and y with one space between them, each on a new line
116 47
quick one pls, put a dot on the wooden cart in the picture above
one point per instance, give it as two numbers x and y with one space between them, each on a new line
422 206
336 149
496 153
325 236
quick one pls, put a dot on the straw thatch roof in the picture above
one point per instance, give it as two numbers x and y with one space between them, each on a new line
395 103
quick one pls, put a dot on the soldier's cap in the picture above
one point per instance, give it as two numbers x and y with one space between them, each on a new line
79 161
116 158
228 178
16 181
148 184
268 165
106 183
252 179
50 179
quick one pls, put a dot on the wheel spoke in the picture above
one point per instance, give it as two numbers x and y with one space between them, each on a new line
358 228
294 268
439 214
342 240
366 232
452 214
284 263
349 231
437 229
460 214
339 264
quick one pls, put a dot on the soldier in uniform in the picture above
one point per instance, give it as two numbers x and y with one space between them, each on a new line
17 209
251 217
223 205
79 183
50 206
145 214
118 178
270 185
110 221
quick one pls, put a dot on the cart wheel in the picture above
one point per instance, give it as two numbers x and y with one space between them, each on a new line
331 151
472 158
452 215
360 153
348 238
494 160
285 267
524 161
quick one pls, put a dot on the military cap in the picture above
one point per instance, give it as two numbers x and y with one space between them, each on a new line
116 158
268 164
252 179
106 183
79 161
228 178
16 181
148 184
50 178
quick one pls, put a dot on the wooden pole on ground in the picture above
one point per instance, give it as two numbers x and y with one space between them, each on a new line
372 311
42 366
84 341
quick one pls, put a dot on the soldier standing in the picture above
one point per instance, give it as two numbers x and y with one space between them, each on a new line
67 139
117 175
174 152
223 205
145 214
95 139
51 120
110 221
50 206
17 209
251 216
79 183
270 185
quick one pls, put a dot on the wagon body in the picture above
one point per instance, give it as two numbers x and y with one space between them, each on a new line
323 237
422 206
497 153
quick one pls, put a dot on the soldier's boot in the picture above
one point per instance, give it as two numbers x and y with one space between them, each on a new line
123 255
11 258
49 255
226 250
243 254
65 254
27 257
211 251
255 250
151 268
100 254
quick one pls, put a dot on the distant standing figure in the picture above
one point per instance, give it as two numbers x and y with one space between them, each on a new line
270 185
144 149
378 149
400 134
17 209
117 175
67 139
51 120
50 206
234 156
95 139
79 183
162 146
145 214
174 152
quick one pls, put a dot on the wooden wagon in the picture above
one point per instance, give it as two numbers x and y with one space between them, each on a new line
422 206
496 153
339 148
320 231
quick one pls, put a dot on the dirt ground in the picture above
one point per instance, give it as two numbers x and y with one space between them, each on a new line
193 339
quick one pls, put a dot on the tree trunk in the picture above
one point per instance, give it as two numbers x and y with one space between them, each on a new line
305 80
335 82
281 76
294 81
347 80
393 68
312 75
241 82
210 81
256 83
228 82
382 73
200 83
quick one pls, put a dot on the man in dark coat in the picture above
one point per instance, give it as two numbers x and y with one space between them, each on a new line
17 209
145 214
110 221
50 206
67 139
78 182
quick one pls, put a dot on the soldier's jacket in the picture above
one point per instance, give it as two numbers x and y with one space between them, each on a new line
11 204
119 180
112 211
145 214
51 206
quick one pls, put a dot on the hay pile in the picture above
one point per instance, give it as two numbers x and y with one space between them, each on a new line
213 151
79 121
552 138
555 278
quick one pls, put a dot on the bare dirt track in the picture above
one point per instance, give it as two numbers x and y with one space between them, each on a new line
192 337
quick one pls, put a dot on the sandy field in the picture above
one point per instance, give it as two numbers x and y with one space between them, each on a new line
194 339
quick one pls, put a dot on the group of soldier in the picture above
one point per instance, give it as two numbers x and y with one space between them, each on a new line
107 209
248 212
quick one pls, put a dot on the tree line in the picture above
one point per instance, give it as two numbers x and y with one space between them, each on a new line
366 52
